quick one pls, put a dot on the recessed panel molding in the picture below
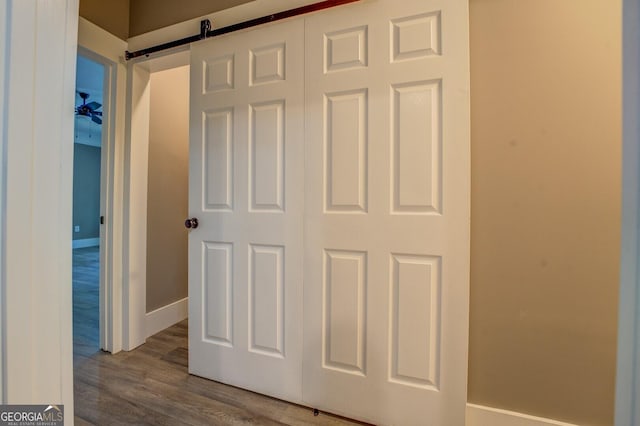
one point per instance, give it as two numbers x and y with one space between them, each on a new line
266 156
217 261
346 49
346 151
266 300
416 157
218 74
345 311
267 64
218 160
414 323
416 37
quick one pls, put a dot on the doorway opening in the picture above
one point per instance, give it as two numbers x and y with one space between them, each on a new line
156 182
87 201
167 198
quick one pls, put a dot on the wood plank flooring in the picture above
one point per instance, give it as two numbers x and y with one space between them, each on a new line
86 288
151 384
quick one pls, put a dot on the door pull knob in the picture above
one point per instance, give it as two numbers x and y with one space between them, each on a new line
191 223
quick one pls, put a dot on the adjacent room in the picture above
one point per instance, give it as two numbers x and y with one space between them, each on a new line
87 150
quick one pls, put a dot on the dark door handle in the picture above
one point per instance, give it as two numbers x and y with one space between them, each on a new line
191 223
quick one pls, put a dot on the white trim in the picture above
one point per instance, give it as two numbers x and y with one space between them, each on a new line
478 415
86 242
167 316
136 162
136 165
107 49
40 78
135 198
628 358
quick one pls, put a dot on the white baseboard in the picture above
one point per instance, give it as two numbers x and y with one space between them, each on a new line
87 242
166 316
478 415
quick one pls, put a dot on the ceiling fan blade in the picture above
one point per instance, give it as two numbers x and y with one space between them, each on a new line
97 112
94 105
96 119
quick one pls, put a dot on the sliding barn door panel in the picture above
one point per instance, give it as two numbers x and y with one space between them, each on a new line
246 183
387 212
329 170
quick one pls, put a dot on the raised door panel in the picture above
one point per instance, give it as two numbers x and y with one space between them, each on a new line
268 64
387 212
246 187
218 160
217 287
345 140
266 300
266 156
414 329
218 74
344 330
416 153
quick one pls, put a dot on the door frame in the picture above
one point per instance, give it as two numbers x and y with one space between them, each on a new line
136 144
106 139
627 408
136 162
106 49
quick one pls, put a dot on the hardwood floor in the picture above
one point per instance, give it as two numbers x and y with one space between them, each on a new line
86 289
151 384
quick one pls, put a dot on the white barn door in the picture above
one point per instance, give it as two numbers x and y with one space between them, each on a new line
338 142
387 212
246 189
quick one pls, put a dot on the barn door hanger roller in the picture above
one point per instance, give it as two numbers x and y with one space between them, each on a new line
206 30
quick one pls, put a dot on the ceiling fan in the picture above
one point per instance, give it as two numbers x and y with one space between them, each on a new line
89 109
